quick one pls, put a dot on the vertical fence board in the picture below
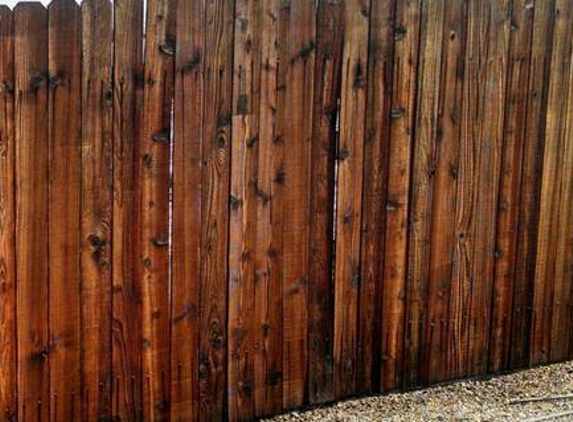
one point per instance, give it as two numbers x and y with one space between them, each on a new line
127 96
154 205
349 195
375 178
299 103
330 24
421 297
8 403
187 211
31 61
510 183
64 51
96 208
402 113
537 94
216 150
444 296
550 186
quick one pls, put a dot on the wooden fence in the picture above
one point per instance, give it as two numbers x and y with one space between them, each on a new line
260 205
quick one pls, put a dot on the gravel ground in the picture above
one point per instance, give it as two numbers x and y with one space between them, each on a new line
494 399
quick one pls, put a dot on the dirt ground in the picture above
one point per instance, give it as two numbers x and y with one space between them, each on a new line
540 394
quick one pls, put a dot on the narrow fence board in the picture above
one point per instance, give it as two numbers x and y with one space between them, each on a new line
548 229
375 179
443 307
96 208
245 195
154 207
349 195
510 183
541 46
422 297
216 151
402 114
127 97
330 31
297 138
8 404
64 51
31 87
268 288
187 212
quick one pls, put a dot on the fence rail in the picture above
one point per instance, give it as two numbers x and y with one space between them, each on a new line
225 209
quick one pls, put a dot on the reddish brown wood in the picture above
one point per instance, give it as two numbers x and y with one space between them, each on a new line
31 88
64 51
8 404
127 98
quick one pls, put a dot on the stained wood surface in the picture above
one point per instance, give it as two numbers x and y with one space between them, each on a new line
226 209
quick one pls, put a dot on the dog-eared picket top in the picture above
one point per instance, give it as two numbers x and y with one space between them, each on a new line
224 209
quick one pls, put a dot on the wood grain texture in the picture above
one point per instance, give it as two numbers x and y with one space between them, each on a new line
545 281
297 138
31 85
510 184
329 36
96 208
127 98
64 51
187 212
154 207
216 151
421 297
443 303
349 194
402 113
537 95
8 403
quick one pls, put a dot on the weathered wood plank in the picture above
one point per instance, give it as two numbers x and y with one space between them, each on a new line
245 196
548 230
537 94
510 184
297 138
216 150
443 306
8 404
64 51
31 85
421 296
402 113
187 209
127 97
349 195
329 34
96 208
154 206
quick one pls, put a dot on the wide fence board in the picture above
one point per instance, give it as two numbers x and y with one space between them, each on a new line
227 209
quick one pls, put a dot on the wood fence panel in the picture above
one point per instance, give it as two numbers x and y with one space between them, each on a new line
537 96
402 114
329 35
187 212
349 195
127 98
216 151
510 182
96 208
154 165
548 230
8 403
64 51
31 85
445 296
422 297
